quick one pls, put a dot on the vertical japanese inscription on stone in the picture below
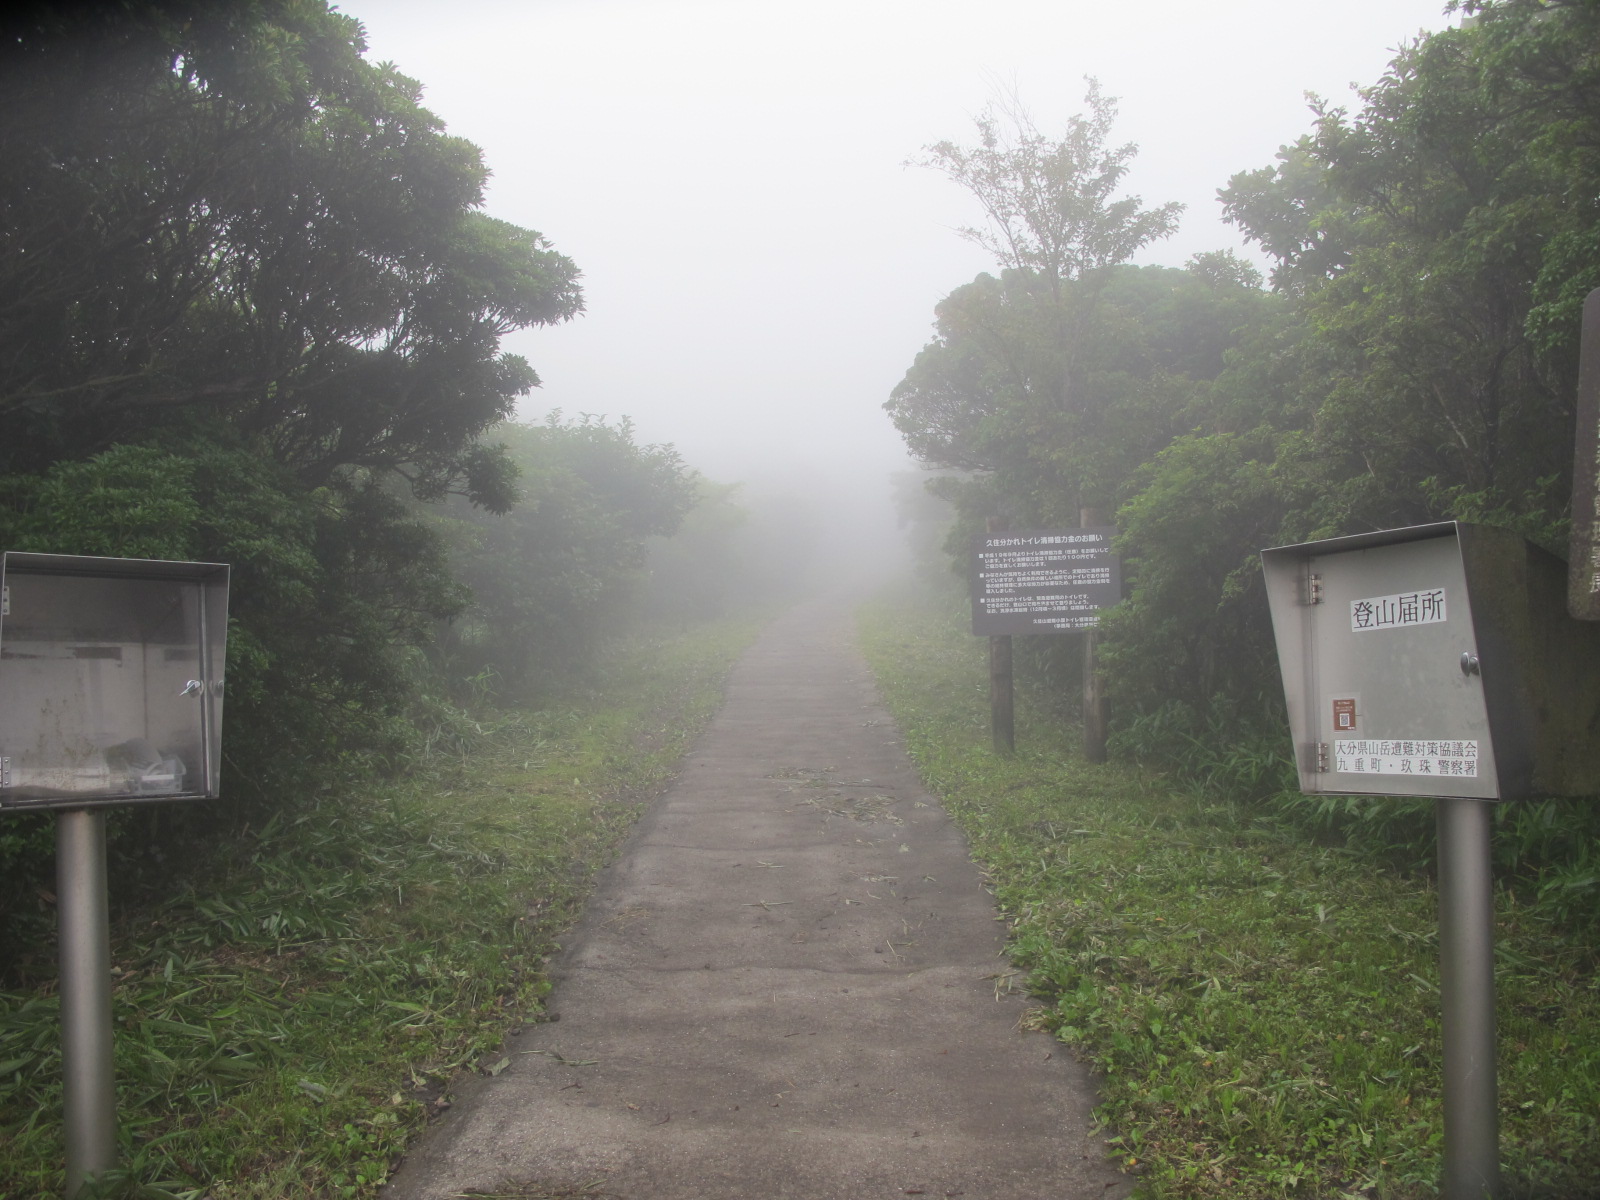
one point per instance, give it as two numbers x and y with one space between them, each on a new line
1583 553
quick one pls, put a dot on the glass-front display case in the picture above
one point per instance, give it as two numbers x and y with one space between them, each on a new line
110 680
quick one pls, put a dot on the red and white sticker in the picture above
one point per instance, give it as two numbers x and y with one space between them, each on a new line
1344 715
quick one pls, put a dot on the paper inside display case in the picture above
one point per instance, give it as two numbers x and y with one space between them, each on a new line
110 685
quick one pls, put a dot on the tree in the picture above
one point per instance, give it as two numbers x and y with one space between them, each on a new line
709 566
224 212
1422 367
984 398
1009 386
1048 203
551 577
250 309
1440 241
1075 382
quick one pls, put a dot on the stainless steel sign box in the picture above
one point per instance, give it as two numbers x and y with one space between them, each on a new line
110 680
1435 661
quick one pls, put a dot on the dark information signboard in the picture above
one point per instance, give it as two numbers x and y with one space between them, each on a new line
1043 580
1583 552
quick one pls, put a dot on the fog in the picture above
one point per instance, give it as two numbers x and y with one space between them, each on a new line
760 268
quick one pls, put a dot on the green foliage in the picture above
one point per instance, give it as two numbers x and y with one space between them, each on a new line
130 501
1057 403
1262 1007
1155 352
566 564
333 590
250 308
1415 361
704 570
227 211
1217 749
329 588
1436 252
1195 624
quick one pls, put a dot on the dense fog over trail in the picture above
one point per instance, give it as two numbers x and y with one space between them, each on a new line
522 359
759 266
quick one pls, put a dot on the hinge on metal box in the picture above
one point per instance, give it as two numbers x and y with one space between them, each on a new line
1313 588
5 772
1317 757
5 602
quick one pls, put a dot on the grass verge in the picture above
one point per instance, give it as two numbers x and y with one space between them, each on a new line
1265 1010
284 1029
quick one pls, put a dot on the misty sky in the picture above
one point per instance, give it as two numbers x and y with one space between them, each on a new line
759 266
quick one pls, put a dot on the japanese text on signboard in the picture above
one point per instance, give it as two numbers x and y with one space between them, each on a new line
1423 607
1373 756
1043 581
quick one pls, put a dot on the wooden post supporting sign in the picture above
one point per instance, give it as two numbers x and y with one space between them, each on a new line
1002 688
1096 715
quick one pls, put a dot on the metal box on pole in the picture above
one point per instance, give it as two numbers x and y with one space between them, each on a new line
110 694
1433 661
1439 662
110 680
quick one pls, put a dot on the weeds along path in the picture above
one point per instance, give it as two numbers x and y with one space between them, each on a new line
789 985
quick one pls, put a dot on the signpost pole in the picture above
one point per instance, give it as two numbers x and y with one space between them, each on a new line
85 948
1466 991
1095 723
1002 695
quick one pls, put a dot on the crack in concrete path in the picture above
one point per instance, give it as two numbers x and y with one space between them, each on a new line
790 985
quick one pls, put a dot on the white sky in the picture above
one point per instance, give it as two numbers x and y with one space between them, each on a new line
759 267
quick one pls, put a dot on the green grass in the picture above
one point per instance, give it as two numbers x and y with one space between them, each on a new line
285 1028
1264 1010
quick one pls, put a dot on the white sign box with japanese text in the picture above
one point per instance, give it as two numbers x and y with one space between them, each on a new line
1435 661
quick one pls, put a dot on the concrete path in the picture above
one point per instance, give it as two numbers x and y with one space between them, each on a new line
790 985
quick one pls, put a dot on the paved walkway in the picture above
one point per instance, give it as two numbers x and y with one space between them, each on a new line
789 986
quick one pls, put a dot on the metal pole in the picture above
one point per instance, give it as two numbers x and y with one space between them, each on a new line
1466 987
85 946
